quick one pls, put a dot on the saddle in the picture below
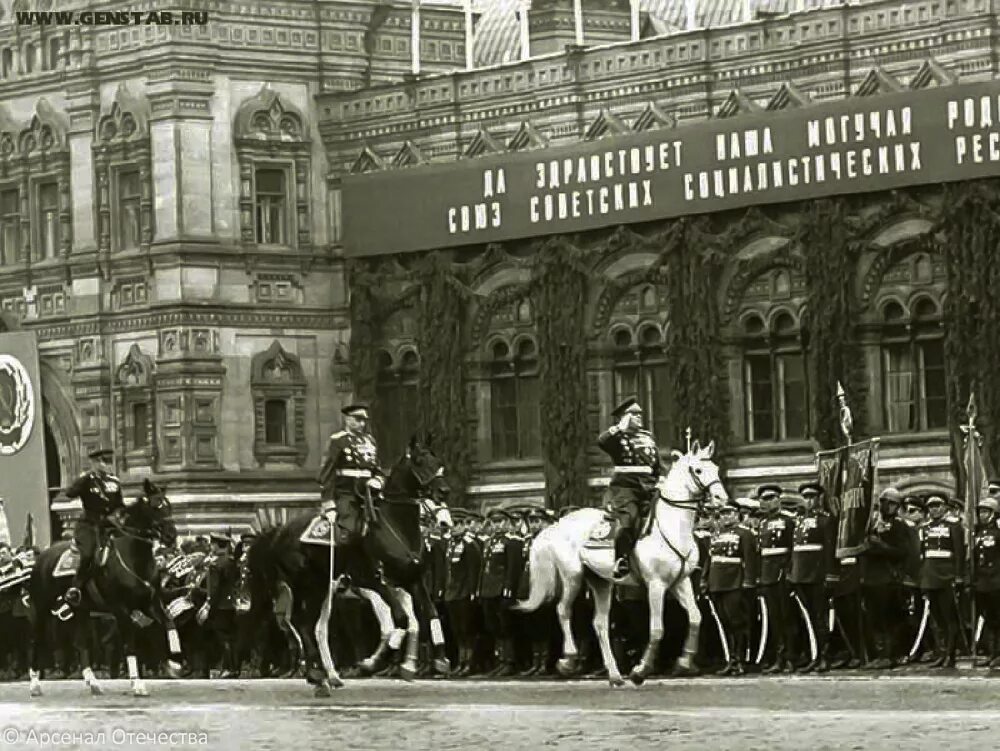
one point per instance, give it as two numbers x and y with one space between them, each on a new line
69 561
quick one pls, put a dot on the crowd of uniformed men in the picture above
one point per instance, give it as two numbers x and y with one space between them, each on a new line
774 596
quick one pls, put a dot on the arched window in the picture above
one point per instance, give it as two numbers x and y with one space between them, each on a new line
396 416
913 374
640 371
639 365
908 311
514 393
775 392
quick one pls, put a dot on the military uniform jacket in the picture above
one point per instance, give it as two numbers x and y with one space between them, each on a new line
883 562
99 492
986 560
636 458
524 581
435 564
732 560
223 581
911 565
775 539
351 460
942 554
501 566
464 562
813 547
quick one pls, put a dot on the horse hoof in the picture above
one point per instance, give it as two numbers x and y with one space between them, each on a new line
336 682
175 670
322 691
96 690
638 677
442 666
616 682
407 672
140 691
35 691
567 666
367 667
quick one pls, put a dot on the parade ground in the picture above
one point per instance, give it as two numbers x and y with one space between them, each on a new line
955 711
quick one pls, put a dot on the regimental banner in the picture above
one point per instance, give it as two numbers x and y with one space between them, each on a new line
828 473
857 507
852 145
23 480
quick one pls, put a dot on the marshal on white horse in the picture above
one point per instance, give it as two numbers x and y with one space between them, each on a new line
563 556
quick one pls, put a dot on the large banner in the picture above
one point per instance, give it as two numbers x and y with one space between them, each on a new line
858 509
851 145
23 480
828 471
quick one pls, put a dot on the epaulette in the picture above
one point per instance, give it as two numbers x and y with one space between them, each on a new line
339 434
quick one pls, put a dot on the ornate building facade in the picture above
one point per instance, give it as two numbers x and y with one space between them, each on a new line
170 227
794 56
168 233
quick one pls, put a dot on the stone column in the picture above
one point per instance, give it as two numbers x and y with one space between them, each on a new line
181 137
83 104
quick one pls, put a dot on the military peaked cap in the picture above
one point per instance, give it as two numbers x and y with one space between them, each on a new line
629 405
101 452
768 491
811 488
355 410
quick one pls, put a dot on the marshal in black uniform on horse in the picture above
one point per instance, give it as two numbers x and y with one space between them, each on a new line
633 484
100 492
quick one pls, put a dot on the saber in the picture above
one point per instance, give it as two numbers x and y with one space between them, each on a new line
923 627
813 650
764 622
980 624
831 617
722 631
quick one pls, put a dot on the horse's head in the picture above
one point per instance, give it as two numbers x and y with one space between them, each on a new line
435 515
152 513
694 476
419 473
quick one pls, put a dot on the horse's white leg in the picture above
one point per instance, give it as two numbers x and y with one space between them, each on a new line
91 682
34 683
602 626
571 588
138 685
684 592
657 591
383 614
322 634
409 667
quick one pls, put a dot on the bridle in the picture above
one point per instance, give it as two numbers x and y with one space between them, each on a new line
697 503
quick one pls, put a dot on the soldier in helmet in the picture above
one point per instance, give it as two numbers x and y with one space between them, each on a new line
986 570
100 492
633 484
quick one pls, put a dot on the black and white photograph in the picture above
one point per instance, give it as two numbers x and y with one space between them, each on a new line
518 374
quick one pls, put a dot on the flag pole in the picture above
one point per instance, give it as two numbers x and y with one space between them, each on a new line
973 486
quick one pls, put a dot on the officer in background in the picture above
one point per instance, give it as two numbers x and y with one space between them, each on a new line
912 516
814 540
218 614
464 561
351 475
501 572
774 540
633 483
882 567
942 561
986 573
730 574
100 492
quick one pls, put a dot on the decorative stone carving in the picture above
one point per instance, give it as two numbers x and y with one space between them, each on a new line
278 386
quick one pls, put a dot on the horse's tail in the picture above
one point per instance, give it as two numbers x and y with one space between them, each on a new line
543 575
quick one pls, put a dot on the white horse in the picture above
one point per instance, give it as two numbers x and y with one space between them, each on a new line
561 560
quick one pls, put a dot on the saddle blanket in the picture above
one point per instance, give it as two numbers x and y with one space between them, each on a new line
69 561
318 532
603 534
178 606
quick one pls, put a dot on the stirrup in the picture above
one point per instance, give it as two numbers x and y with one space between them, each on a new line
73 596
622 567
63 612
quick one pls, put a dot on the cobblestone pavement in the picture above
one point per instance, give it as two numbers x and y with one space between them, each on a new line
801 712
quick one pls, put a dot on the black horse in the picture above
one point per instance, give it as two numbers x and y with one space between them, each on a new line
296 577
125 584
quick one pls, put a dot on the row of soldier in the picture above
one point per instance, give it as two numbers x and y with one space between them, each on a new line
770 582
